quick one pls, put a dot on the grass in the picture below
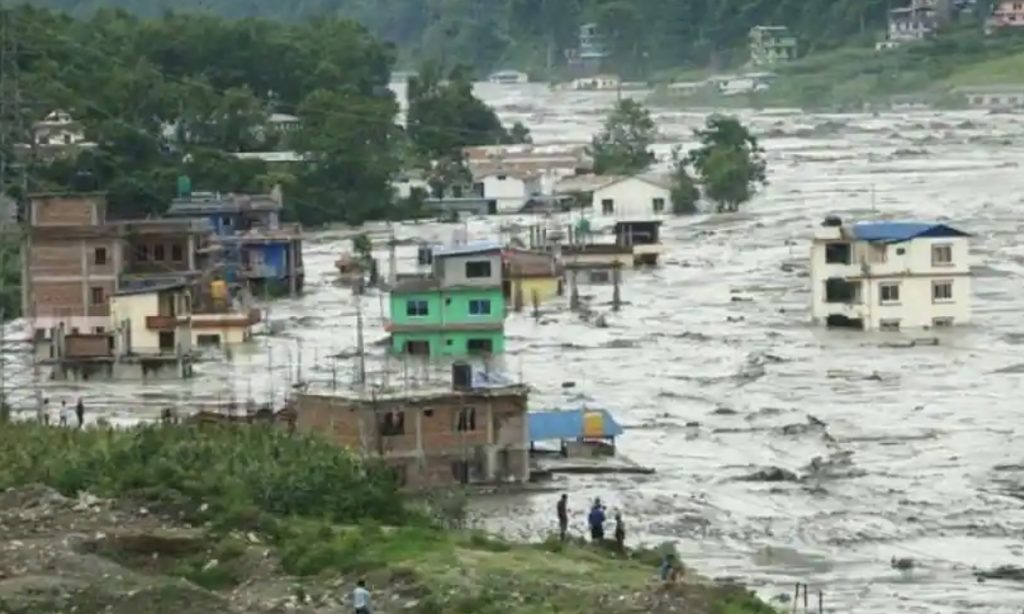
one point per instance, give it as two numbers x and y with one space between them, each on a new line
857 76
327 515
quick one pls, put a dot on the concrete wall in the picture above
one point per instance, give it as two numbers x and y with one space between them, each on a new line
128 315
451 270
449 343
510 192
67 210
546 289
632 198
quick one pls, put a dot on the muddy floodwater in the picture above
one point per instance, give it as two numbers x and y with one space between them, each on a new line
714 368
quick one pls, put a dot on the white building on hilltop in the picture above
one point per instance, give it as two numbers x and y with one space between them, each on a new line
890 275
635 197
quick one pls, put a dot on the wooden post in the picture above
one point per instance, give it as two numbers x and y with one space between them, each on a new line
535 297
805 598
821 602
574 293
617 281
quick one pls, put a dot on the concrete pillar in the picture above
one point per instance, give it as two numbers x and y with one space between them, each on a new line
617 292
191 249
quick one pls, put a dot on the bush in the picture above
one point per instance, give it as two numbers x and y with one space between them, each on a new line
240 473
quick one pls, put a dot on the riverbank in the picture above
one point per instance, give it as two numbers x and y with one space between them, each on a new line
183 519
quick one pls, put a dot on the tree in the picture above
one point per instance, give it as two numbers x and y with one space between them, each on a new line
623 147
685 193
729 162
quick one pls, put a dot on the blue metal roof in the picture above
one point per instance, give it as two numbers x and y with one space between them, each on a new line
894 232
474 247
566 424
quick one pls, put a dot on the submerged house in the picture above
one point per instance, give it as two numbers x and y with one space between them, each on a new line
255 248
459 309
472 430
530 277
890 275
580 432
771 45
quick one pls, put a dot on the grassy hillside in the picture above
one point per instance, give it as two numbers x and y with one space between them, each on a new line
193 519
850 78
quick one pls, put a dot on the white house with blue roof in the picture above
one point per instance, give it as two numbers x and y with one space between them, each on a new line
890 275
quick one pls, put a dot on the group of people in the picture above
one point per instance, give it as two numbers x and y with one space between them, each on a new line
66 415
596 519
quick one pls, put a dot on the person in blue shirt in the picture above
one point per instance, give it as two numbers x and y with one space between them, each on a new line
596 521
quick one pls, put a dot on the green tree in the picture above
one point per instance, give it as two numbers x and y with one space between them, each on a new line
685 193
729 162
623 147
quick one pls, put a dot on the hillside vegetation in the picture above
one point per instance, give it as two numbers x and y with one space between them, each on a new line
643 35
183 519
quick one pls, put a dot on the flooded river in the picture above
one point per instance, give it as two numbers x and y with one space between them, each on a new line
714 368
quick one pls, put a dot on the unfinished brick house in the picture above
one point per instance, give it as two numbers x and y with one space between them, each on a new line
432 438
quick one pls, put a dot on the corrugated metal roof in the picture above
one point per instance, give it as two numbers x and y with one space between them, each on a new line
473 247
568 424
902 231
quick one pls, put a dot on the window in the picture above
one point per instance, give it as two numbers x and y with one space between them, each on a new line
480 307
502 177
142 253
97 296
942 255
942 291
607 206
842 291
99 256
465 420
889 325
457 191
392 423
158 253
225 221
942 322
478 268
208 340
74 330
600 277
658 204
416 309
901 251
888 294
417 348
176 253
480 346
99 330
837 253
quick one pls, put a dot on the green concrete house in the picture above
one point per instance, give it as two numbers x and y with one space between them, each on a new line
459 310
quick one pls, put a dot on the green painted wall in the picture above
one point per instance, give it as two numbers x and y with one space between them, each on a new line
455 343
449 307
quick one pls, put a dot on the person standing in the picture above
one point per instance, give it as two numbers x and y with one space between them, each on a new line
596 521
620 533
65 414
80 412
361 598
563 516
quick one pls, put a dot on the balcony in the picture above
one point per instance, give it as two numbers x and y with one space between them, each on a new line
161 322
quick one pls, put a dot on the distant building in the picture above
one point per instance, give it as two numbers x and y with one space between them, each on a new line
457 311
530 276
598 83
919 20
993 97
771 45
643 196
1006 14
469 432
548 164
890 275
58 133
509 77
510 189
589 58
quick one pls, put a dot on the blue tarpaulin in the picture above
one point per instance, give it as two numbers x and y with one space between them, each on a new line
568 424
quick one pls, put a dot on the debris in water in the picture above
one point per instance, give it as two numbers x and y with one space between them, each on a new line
1003 572
771 474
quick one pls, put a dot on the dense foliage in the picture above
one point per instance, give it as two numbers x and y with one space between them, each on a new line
643 35
181 94
624 145
239 473
729 162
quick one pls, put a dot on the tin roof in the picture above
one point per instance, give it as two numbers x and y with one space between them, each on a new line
473 247
895 232
549 425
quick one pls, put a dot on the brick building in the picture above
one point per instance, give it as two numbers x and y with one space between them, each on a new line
432 438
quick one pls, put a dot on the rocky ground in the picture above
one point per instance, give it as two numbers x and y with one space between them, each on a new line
85 555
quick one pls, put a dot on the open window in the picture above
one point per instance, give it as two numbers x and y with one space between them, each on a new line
838 253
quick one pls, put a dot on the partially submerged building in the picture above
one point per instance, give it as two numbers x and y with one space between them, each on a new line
531 277
255 248
771 45
471 431
993 97
890 275
459 309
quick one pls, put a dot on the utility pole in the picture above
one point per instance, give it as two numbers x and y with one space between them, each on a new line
361 367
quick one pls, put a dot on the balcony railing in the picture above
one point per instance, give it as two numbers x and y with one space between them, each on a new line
161 322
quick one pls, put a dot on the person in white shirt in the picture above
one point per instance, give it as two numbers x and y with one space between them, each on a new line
361 598
65 414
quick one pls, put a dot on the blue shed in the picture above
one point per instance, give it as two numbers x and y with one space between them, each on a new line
573 424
